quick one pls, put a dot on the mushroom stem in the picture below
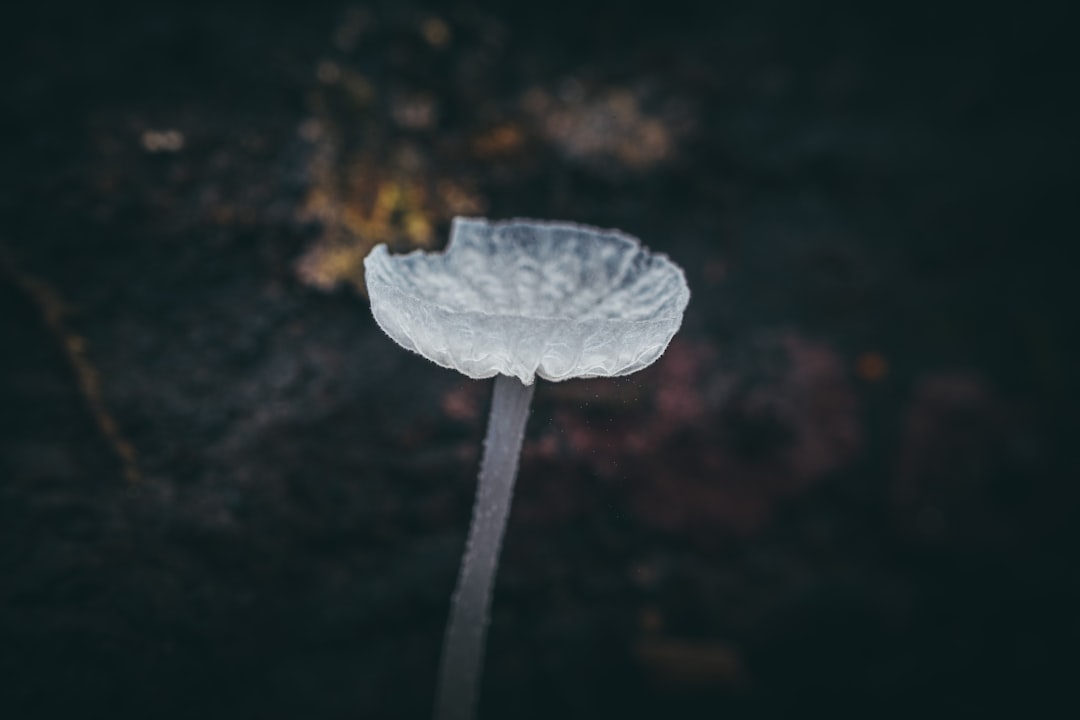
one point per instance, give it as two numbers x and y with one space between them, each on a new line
463 646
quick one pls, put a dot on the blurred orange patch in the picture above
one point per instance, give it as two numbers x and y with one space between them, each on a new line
693 664
871 366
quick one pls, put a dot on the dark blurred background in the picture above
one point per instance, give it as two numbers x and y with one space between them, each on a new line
849 486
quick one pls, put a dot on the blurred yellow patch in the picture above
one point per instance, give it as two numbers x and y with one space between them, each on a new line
608 125
503 139
54 311
368 189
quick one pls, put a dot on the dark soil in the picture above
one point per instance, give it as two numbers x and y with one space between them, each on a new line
847 488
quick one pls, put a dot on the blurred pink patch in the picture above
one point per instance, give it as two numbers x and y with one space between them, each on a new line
951 451
679 396
822 407
707 451
463 403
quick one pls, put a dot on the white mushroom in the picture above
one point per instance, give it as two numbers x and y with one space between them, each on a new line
518 299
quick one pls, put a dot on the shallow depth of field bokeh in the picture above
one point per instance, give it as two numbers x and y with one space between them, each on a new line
848 487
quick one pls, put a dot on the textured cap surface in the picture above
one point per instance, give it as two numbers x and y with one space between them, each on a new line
528 298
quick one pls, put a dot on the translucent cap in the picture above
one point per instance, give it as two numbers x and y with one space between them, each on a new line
528 298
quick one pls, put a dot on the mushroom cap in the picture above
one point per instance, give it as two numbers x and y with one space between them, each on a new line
528 298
